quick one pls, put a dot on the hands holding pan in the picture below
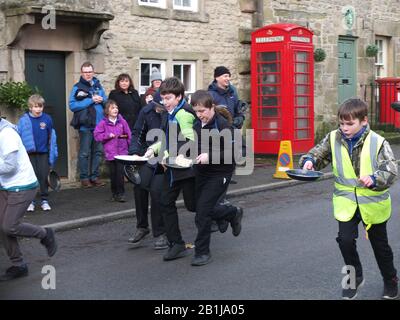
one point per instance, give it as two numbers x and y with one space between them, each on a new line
308 165
307 173
366 181
202 158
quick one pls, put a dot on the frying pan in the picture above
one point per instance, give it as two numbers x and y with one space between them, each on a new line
132 173
131 160
304 175
54 181
171 163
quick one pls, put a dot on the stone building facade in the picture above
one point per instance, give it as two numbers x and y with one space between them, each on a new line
118 36
128 36
369 22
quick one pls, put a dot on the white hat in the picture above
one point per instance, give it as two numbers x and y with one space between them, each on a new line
155 74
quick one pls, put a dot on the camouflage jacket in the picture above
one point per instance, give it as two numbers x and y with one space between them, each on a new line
321 155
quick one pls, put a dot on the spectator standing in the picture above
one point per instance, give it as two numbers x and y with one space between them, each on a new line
155 80
114 133
86 101
224 94
39 138
127 99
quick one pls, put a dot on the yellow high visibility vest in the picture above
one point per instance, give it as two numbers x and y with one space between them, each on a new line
375 206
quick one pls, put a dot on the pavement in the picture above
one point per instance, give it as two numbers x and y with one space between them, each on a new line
74 207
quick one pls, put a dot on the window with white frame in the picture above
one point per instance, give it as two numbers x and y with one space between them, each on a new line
181 10
381 61
145 72
186 72
153 3
190 5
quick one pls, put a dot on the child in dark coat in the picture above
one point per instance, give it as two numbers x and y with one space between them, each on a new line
213 172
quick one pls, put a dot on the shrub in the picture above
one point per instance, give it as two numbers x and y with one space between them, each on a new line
371 51
15 94
319 55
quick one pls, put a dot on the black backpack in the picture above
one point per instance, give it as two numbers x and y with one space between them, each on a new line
85 117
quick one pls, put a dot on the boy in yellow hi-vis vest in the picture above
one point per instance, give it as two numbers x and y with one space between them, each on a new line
364 168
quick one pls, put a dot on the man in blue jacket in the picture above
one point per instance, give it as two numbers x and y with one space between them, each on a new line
86 101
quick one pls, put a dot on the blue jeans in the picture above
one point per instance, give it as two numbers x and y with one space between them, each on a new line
90 153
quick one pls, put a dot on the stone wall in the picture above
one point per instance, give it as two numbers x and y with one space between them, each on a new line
219 34
3 51
324 18
209 37
213 40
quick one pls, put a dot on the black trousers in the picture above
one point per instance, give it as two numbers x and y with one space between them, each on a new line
40 164
117 177
209 191
169 195
377 234
142 205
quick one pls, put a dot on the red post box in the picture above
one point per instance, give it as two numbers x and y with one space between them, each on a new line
282 87
388 93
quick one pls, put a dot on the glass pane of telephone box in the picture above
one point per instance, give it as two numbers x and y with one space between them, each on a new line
265 90
301 89
302 134
301 112
301 123
269 124
268 101
268 67
268 56
301 78
302 101
269 112
301 67
301 56
268 78
266 135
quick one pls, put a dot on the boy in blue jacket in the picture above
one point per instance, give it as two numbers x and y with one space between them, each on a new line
39 138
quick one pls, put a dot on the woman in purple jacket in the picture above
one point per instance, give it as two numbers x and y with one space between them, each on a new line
114 133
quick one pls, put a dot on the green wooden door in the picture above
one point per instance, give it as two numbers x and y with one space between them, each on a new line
46 70
347 69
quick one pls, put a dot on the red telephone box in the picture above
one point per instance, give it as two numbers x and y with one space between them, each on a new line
389 91
282 87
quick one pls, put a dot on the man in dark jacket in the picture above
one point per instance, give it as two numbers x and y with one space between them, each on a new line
224 93
89 95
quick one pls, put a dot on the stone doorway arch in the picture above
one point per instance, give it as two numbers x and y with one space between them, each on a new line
75 34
